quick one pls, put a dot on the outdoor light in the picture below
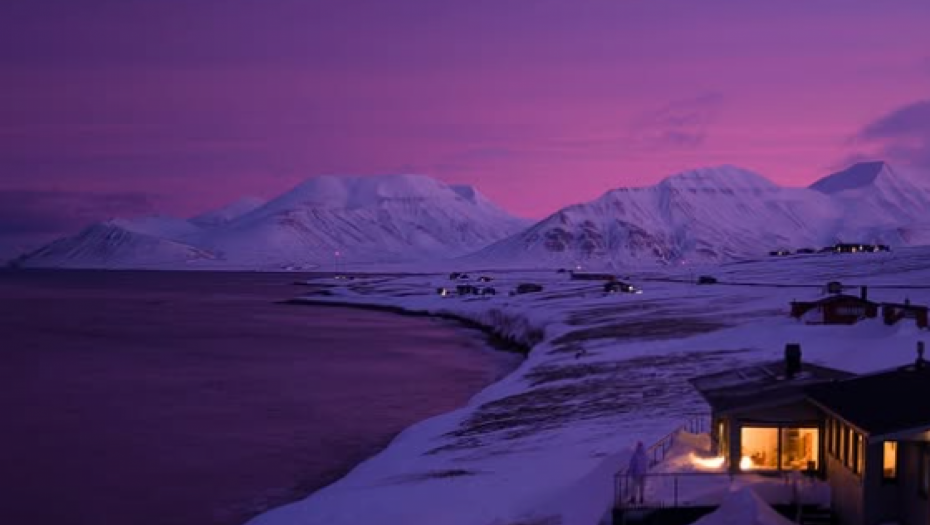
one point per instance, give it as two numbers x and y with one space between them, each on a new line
708 463
745 463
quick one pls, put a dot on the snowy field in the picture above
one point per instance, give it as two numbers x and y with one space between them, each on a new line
541 446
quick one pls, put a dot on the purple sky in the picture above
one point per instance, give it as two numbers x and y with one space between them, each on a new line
121 107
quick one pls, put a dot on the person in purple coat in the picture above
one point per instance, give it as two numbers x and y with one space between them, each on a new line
639 465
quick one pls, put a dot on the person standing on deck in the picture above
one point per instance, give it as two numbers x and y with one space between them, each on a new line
639 465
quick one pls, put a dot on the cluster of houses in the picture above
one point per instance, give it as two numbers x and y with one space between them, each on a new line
840 308
842 247
867 437
482 288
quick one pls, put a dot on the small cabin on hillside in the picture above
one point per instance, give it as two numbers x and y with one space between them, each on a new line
834 309
877 458
523 288
760 417
894 312
589 276
466 289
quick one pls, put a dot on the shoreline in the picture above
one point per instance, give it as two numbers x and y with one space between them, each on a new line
495 339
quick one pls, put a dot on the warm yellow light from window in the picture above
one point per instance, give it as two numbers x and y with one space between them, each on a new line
714 463
890 463
745 463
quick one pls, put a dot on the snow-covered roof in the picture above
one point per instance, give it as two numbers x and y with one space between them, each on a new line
762 384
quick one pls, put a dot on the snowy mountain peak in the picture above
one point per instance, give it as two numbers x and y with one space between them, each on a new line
856 176
726 177
355 192
228 213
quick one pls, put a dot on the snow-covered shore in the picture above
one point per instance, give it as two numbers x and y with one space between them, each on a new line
542 445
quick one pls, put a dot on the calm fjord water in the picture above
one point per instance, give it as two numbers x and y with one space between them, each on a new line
169 398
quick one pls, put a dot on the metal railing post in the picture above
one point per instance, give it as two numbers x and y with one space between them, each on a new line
676 492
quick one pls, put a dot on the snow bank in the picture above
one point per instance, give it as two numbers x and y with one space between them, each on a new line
542 444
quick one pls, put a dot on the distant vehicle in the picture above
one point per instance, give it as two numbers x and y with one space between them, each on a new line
458 276
443 292
620 287
561 270
707 279
344 277
779 253
523 288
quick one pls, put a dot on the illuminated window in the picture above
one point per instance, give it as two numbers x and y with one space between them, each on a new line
858 453
890 461
800 448
760 446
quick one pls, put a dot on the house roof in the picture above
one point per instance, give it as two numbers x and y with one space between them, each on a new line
882 403
761 385
837 298
904 306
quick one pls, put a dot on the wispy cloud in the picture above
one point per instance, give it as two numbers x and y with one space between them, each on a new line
680 124
902 135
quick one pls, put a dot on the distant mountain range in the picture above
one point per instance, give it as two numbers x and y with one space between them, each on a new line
723 213
704 215
324 222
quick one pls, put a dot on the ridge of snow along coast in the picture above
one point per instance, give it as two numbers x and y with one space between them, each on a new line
606 370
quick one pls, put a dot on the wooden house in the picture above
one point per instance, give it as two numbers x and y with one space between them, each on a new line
877 459
835 309
589 276
523 288
760 417
867 437
466 289
894 312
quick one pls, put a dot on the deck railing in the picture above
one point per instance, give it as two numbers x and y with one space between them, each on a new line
696 424
699 489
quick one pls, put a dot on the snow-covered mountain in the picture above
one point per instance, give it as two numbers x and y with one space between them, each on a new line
226 214
391 218
114 244
721 213
364 219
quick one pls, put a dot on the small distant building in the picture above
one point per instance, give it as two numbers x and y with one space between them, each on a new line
523 288
620 287
466 289
845 247
589 276
877 445
894 312
835 309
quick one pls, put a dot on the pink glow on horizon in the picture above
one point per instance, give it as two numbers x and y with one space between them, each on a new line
539 107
